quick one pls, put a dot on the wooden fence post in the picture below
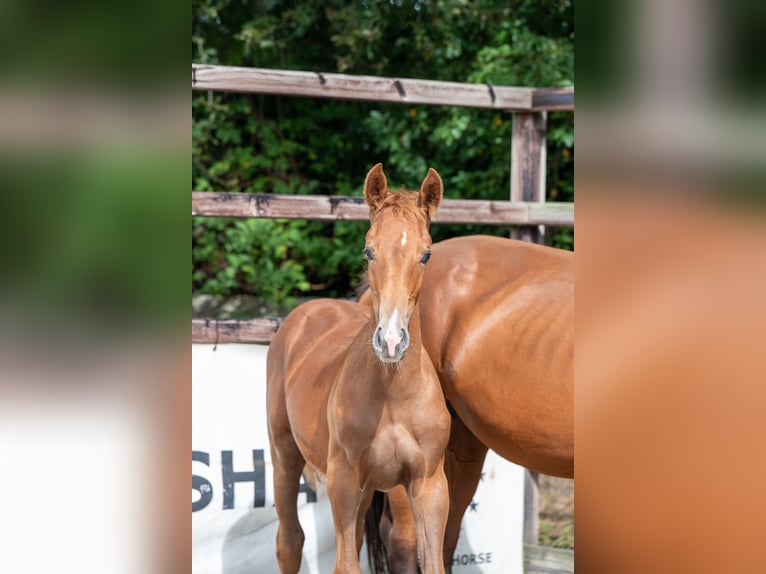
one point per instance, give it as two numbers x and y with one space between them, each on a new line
531 507
528 171
528 154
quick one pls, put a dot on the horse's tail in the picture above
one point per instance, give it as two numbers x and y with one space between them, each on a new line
376 551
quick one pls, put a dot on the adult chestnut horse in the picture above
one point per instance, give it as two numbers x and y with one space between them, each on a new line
352 394
497 321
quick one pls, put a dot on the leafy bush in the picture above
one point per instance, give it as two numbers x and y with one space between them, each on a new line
269 144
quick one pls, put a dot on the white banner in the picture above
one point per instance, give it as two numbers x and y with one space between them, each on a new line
233 519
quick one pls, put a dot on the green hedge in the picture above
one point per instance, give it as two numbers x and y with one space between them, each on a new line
269 144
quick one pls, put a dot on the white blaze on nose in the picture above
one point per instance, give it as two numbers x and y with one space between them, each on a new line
404 238
392 334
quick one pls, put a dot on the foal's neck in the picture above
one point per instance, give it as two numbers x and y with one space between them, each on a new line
416 342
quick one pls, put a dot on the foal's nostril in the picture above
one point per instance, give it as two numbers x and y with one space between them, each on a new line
377 339
405 339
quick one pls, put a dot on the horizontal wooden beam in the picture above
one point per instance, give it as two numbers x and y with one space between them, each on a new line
552 213
214 331
378 89
545 559
333 208
553 99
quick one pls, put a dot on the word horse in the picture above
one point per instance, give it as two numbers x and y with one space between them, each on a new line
353 395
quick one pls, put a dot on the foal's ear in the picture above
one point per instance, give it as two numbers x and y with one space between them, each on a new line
431 191
375 187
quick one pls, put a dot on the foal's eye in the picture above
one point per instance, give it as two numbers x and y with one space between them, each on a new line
368 254
426 257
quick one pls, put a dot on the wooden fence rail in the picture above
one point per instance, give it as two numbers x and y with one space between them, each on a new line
333 208
214 331
379 89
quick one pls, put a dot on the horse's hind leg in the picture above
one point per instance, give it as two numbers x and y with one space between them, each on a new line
398 531
288 465
361 514
463 462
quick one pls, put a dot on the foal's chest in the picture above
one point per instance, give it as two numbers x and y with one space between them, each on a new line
394 457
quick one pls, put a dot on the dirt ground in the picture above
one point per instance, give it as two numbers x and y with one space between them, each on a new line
556 512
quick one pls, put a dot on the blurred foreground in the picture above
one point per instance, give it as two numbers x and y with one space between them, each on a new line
94 408
671 276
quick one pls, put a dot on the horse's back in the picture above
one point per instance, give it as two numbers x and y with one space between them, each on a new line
327 324
303 359
482 286
498 324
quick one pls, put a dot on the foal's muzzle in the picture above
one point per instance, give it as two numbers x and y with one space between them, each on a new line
390 346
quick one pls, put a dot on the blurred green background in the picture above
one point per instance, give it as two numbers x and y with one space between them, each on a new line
270 144
94 180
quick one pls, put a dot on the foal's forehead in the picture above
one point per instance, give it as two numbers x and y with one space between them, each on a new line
398 232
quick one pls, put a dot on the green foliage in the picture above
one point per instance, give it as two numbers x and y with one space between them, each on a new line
266 144
274 259
556 533
81 258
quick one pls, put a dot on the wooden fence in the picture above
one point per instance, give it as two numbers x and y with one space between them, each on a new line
526 210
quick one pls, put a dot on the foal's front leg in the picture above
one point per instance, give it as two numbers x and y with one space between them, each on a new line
429 498
345 499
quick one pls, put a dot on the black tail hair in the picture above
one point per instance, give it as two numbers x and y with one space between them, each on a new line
376 551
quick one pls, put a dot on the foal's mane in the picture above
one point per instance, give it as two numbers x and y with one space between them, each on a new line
404 206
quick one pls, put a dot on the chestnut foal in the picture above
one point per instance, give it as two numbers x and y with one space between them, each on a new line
352 394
